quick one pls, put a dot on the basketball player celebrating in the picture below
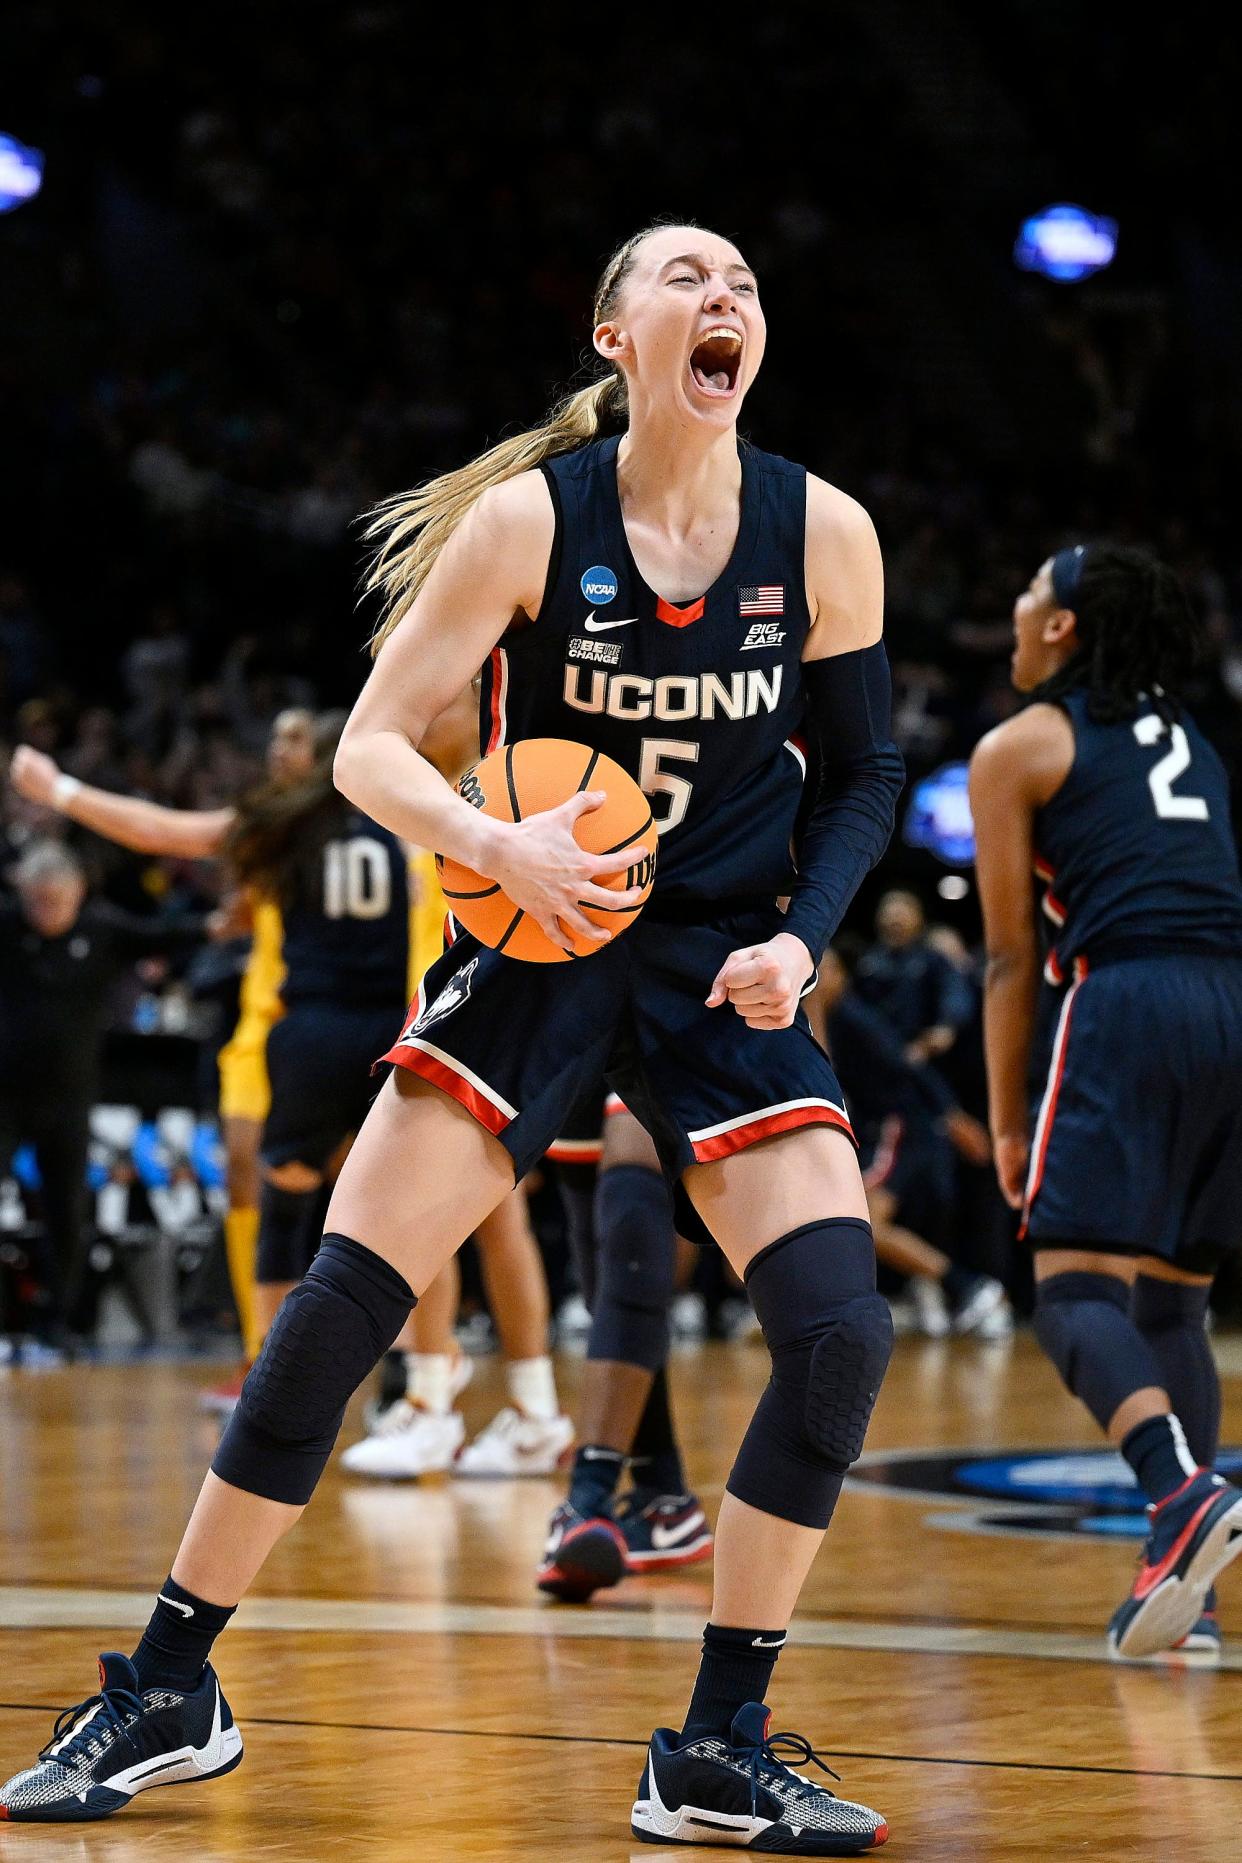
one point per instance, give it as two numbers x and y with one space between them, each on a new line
542 560
1131 1188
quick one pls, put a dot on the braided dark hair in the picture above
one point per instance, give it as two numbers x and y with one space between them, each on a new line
1139 634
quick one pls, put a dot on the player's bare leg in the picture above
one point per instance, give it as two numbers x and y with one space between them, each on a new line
811 1277
417 1150
241 1224
243 1181
530 1435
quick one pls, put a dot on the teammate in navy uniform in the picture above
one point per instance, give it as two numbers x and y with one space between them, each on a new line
767 622
624 1246
340 880
1131 1183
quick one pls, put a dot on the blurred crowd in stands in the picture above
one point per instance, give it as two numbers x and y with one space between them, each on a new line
247 304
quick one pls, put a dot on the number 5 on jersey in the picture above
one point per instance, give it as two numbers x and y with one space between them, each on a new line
655 780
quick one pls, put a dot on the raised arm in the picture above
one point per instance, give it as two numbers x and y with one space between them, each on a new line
145 827
1015 770
490 572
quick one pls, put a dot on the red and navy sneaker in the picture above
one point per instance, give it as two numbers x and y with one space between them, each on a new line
119 1743
739 1791
663 1531
1194 1535
581 1556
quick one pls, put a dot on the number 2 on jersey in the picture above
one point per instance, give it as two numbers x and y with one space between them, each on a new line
357 883
1175 762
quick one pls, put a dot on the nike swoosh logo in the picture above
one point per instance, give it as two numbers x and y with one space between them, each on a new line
595 626
209 1754
663 1537
187 1610
767 1643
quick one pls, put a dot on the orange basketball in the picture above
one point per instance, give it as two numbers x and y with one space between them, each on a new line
523 779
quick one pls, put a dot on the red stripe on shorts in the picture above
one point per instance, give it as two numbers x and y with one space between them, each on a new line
427 1067
737 1138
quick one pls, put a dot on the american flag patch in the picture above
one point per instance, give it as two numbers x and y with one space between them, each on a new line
767 599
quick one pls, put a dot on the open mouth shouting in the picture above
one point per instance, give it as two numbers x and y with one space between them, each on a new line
716 360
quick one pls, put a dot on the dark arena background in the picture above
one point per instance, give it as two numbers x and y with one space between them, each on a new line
263 266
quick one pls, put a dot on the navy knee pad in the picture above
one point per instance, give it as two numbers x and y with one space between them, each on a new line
287 1235
1172 1317
830 1336
635 1267
331 1331
1166 1306
1083 1323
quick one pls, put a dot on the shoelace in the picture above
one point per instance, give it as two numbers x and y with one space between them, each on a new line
764 1754
110 1708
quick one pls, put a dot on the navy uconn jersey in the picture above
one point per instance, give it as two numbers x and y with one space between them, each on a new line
701 703
347 926
1136 848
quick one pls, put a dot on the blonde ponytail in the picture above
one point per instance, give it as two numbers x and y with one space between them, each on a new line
415 526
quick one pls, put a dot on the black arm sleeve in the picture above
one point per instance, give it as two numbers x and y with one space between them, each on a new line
861 772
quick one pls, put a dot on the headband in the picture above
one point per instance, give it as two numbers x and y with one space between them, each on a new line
1067 568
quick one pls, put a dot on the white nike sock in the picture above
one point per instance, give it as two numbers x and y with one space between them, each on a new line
429 1381
532 1388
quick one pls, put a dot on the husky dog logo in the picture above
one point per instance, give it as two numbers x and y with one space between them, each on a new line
451 997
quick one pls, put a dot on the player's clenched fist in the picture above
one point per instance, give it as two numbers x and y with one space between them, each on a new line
764 981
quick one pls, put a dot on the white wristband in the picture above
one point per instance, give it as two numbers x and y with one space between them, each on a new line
64 789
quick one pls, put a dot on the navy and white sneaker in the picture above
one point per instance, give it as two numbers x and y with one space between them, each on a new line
120 1742
1203 1643
741 1793
1194 1535
663 1531
581 1555
1202 1646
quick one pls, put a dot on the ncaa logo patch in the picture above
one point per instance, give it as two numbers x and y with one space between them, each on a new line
1065 1493
599 585
451 997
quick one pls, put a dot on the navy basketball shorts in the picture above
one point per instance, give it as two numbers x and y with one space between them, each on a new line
1138 1143
913 1162
319 1058
519 1045
581 1138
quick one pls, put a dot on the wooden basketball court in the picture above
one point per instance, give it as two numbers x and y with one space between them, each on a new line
404 1692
